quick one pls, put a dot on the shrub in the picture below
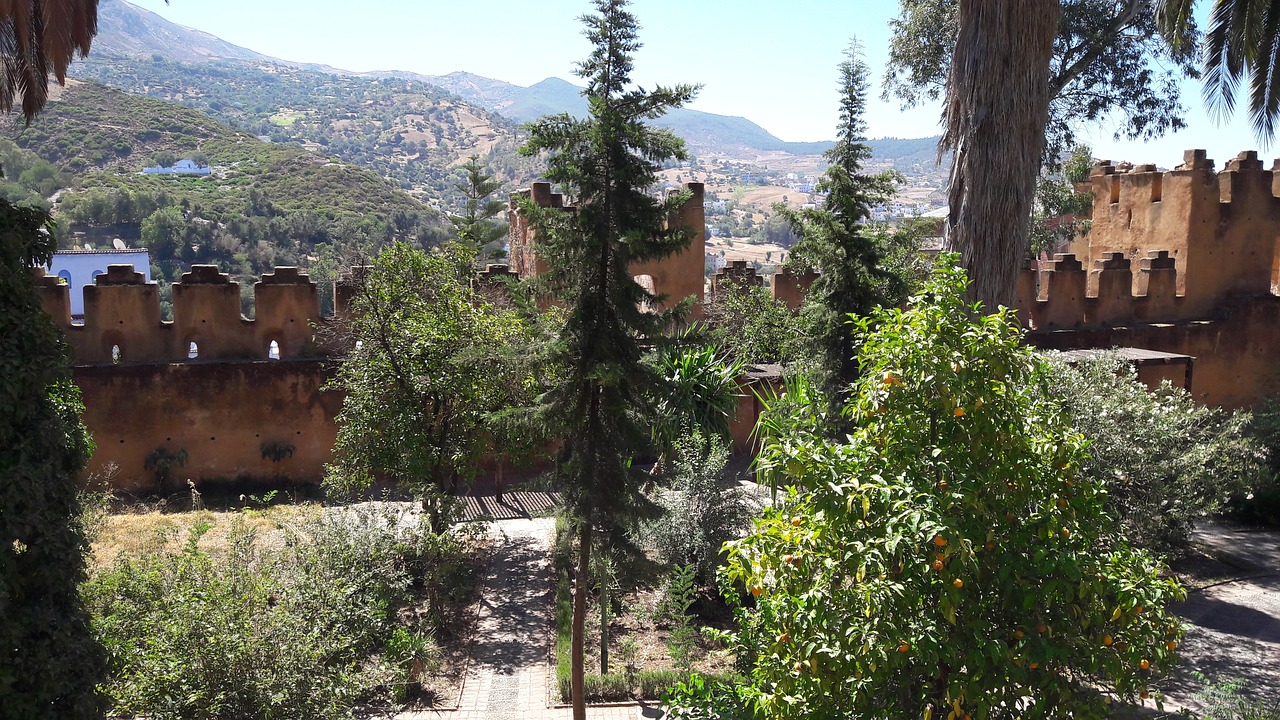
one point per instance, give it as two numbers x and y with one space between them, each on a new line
949 556
1260 504
700 511
1164 459
306 630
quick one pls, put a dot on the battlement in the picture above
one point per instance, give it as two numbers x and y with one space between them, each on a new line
1219 228
122 317
674 278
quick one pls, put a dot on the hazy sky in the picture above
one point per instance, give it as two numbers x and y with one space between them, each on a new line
772 62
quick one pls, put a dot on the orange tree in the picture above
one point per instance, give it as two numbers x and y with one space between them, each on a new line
946 559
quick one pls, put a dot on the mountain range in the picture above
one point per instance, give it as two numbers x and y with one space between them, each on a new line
130 32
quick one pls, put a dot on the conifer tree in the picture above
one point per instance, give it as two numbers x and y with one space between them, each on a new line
474 224
607 164
834 241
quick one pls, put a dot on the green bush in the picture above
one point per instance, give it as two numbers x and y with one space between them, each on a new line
307 630
1164 459
700 511
949 556
1260 504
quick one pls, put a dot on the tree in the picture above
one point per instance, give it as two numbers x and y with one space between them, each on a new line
475 225
1108 59
1057 217
834 242
49 663
41 37
950 558
422 378
996 130
606 163
1242 43
752 326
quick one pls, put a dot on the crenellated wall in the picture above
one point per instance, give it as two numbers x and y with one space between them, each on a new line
674 278
122 317
1185 261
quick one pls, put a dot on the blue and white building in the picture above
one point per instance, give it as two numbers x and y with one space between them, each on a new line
80 267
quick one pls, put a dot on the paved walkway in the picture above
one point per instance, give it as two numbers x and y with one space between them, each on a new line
507 675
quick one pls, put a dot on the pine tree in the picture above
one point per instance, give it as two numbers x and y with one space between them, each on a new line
474 224
835 242
606 164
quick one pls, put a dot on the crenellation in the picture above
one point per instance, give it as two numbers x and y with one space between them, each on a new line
121 320
791 288
286 305
1061 300
55 297
673 278
1109 291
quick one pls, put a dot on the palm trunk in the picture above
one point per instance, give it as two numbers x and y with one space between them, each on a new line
578 665
996 111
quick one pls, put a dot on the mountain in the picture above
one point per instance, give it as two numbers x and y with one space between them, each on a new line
127 31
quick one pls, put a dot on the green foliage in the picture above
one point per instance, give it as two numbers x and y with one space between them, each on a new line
1108 61
1223 701
700 512
606 164
305 630
1055 218
682 640
949 555
1164 459
704 698
422 377
751 326
1261 503
699 393
49 664
834 242
475 225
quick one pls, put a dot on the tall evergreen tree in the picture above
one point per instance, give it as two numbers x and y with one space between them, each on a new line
834 241
607 164
475 225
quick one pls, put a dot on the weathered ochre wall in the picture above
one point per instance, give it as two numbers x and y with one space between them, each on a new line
220 413
1182 262
674 278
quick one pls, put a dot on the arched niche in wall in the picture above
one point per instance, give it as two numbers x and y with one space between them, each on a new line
273 350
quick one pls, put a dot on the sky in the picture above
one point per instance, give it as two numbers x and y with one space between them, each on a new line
773 62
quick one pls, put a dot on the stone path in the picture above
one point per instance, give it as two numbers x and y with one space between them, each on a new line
507 675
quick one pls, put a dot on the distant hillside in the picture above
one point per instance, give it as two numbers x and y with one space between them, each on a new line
265 204
125 30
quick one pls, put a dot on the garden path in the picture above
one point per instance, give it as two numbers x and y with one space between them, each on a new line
507 674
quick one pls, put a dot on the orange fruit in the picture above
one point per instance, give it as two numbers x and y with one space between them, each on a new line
958 583
939 541
937 564
958 412
798 667
989 546
1062 503
1145 664
1033 666
1066 533
756 590
905 646
1138 610
795 522
1144 695
1041 628
943 485
1018 634
1106 640
890 379
1171 645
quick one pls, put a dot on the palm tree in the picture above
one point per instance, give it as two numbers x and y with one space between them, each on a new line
39 37
1241 42
995 114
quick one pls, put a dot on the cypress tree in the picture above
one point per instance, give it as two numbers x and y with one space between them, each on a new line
835 242
607 164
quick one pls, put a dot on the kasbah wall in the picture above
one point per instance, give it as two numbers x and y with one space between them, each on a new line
1184 262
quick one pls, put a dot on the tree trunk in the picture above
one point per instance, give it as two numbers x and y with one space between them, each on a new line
996 110
604 615
578 666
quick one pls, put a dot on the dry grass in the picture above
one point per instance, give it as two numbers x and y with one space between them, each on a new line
146 530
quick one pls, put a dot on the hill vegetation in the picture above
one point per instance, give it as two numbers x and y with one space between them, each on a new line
265 204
